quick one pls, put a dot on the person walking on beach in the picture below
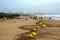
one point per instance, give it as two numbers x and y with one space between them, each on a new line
50 18
41 17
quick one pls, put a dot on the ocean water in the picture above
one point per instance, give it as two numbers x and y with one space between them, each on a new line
56 17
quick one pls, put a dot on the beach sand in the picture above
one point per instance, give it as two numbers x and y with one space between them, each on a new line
15 29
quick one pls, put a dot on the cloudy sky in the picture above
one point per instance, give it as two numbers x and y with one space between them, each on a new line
32 6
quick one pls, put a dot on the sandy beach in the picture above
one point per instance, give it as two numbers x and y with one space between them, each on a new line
13 29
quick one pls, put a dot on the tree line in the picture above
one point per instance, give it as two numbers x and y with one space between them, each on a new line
8 15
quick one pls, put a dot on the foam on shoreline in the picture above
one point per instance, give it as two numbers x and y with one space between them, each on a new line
55 17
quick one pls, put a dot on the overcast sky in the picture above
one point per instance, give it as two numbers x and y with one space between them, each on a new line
33 6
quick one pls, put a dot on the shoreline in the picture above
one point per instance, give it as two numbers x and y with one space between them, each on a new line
54 17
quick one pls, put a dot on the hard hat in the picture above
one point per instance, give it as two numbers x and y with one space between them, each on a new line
38 27
44 25
34 33
30 35
34 29
41 23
